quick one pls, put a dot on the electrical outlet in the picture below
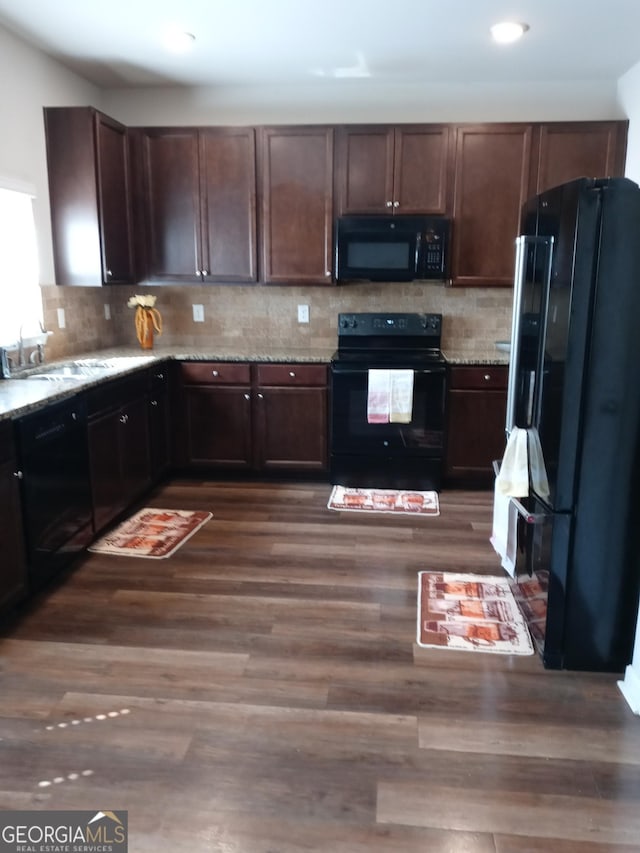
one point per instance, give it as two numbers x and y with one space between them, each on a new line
62 322
198 313
107 311
303 313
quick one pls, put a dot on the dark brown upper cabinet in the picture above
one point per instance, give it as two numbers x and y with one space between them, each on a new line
199 204
490 186
382 169
569 150
90 197
297 204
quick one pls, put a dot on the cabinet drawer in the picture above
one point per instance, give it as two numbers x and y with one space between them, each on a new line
482 376
215 373
292 374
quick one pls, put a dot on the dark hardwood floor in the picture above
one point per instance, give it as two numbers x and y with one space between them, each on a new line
261 692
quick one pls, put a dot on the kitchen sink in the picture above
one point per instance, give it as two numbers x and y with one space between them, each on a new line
88 368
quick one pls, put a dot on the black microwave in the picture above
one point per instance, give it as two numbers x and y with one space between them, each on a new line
391 248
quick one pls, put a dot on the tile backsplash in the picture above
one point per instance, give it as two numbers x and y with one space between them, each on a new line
474 318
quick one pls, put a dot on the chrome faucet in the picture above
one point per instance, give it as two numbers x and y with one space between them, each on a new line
21 361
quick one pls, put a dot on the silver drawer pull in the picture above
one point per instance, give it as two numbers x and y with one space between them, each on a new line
247 396
487 377
292 374
18 475
260 396
154 402
215 373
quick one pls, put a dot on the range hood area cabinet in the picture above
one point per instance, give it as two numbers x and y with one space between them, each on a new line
197 203
296 182
498 166
247 205
392 170
90 197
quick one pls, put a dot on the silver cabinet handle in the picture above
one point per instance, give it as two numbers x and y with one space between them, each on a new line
205 272
388 204
154 402
109 274
18 475
247 396
292 373
396 204
215 373
260 396
159 375
124 419
487 377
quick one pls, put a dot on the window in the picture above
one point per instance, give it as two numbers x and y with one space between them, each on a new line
20 295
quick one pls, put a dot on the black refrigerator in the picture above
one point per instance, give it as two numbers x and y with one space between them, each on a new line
574 384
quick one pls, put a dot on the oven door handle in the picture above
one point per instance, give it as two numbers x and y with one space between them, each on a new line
529 517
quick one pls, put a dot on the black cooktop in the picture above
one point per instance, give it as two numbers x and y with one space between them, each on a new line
391 340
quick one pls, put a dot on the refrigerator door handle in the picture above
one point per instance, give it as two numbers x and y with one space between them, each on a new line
523 244
523 512
518 286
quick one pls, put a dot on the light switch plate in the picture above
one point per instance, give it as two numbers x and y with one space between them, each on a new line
198 313
62 322
303 313
107 311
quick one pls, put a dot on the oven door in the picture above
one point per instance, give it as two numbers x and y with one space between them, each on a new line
387 455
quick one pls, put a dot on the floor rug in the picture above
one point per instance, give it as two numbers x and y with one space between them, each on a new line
151 533
470 613
384 500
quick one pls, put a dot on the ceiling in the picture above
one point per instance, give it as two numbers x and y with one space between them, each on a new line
292 42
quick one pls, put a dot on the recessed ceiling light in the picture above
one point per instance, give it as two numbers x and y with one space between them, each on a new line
507 31
178 41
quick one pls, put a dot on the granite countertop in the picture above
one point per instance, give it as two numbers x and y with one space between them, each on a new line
479 355
20 395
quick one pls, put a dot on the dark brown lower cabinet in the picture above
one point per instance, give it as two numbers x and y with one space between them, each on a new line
13 568
253 417
119 447
477 402
291 417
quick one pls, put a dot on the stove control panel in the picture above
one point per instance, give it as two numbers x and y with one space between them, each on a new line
391 325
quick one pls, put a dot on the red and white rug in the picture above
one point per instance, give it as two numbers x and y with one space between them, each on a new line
151 533
470 613
384 500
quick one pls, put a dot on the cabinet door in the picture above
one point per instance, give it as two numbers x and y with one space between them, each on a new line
490 186
172 204
297 204
115 205
159 423
73 195
218 426
106 468
563 152
291 428
133 445
228 184
364 169
13 573
477 403
421 162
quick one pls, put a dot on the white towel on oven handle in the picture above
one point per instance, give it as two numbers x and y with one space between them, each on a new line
378 396
401 397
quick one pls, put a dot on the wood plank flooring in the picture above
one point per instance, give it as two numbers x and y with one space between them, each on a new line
261 692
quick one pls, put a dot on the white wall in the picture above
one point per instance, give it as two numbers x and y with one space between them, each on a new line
629 97
361 101
29 81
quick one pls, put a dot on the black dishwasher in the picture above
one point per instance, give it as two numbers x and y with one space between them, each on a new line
56 493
